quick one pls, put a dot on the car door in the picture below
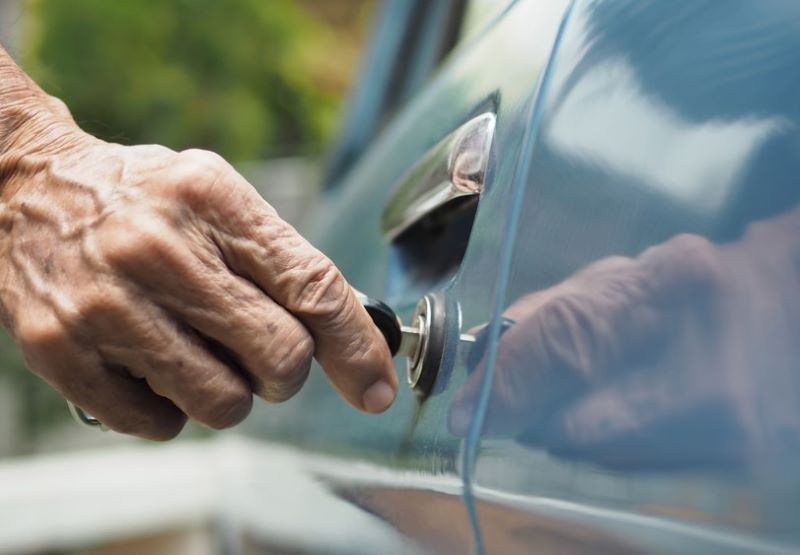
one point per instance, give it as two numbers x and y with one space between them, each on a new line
616 126
468 85
646 397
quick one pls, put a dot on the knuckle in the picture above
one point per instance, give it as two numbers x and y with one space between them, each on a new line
202 158
686 269
297 358
226 407
699 261
124 244
59 107
608 265
321 292
39 335
151 151
687 244
97 306
205 178
566 336
290 371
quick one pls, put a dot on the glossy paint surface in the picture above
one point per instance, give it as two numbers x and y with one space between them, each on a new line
639 224
653 369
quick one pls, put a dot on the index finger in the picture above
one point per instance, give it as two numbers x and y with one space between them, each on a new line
258 245
348 345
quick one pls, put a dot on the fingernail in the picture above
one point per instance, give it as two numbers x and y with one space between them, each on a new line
378 397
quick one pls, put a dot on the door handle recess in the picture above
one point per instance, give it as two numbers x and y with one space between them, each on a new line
452 170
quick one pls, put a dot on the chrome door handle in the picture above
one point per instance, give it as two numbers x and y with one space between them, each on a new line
453 169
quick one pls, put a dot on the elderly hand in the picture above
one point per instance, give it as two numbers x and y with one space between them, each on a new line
147 285
685 355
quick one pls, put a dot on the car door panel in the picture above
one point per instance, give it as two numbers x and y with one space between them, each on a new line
414 435
348 226
668 131
619 126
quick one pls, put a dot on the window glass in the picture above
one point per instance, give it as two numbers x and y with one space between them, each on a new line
479 14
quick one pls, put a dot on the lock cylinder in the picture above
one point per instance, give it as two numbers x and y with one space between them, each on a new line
422 362
422 342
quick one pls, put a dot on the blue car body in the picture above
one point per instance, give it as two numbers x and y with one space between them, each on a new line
620 124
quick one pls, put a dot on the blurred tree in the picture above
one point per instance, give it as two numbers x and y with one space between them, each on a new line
246 78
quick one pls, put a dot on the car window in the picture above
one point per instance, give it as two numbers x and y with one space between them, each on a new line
479 14
410 40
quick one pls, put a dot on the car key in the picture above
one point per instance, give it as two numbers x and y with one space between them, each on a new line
421 342
401 340
478 350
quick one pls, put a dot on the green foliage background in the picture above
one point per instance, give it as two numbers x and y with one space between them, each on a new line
246 78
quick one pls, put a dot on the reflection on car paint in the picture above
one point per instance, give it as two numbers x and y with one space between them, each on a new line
648 393
654 280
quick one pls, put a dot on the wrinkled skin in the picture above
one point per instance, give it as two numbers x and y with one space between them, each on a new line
147 285
686 355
